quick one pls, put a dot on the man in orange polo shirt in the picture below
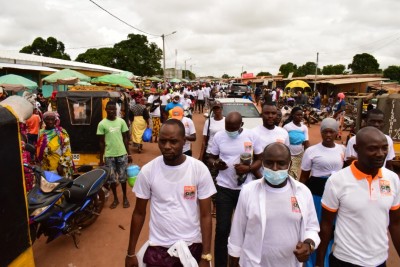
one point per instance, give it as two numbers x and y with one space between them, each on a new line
364 198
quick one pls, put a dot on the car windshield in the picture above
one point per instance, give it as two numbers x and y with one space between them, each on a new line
247 110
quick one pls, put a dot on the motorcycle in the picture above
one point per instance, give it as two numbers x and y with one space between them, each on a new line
59 206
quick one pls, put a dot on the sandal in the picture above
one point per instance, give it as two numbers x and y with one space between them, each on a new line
126 204
114 204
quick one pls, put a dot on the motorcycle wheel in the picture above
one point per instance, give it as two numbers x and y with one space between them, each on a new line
92 211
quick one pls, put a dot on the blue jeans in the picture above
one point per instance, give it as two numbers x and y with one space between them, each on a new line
226 203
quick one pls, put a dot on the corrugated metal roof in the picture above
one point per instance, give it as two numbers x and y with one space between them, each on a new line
352 80
26 67
26 59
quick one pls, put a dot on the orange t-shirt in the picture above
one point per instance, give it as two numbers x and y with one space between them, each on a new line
33 124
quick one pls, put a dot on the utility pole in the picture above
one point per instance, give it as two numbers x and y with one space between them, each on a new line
163 44
185 72
316 72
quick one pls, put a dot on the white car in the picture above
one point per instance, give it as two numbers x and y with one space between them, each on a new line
248 110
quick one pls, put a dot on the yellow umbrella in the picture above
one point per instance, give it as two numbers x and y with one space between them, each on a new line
297 84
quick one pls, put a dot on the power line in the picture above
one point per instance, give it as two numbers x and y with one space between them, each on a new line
159 35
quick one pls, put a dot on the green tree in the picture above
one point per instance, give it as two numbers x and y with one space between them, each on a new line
364 63
102 56
135 54
306 69
392 72
264 73
333 69
187 74
225 76
48 48
287 68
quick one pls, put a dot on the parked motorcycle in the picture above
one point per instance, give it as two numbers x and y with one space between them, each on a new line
58 206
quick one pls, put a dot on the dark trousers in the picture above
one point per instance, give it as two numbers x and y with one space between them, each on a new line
335 262
226 203
156 256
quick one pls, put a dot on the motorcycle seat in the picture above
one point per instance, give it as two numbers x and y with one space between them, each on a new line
86 184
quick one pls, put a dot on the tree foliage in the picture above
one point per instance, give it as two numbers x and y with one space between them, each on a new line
392 72
187 74
287 68
333 69
225 76
264 73
48 48
364 63
135 54
306 69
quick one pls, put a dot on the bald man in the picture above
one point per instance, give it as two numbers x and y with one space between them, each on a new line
364 198
275 222
226 150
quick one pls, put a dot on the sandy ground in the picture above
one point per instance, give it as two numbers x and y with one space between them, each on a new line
105 242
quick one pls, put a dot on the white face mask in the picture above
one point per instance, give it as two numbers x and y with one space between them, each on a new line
275 177
233 135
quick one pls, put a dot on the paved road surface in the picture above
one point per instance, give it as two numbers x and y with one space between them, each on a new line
104 243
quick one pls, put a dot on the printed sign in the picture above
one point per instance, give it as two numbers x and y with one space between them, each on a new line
189 192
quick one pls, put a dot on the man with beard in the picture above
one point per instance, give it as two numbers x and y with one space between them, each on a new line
364 199
180 190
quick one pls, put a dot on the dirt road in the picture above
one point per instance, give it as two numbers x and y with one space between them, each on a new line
104 243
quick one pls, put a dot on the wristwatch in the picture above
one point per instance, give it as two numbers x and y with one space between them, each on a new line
311 243
207 257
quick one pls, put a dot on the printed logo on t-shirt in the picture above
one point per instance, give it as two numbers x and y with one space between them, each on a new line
384 187
189 192
114 129
295 205
248 147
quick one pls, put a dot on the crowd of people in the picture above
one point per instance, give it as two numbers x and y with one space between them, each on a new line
277 200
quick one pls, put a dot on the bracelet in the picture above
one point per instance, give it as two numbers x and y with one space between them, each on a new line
130 256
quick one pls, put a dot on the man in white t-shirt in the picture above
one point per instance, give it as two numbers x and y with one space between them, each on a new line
190 131
364 199
273 96
200 99
227 148
275 222
268 132
375 118
180 190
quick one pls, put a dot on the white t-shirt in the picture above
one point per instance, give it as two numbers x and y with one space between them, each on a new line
150 99
164 99
296 148
189 130
200 94
323 161
174 192
207 91
215 127
273 96
362 204
267 136
186 102
229 150
350 152
282 229
156 112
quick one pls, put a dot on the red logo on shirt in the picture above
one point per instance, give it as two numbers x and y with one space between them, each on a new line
295 205
384 187
189 192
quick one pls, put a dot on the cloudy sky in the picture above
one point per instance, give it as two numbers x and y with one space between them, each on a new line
216 37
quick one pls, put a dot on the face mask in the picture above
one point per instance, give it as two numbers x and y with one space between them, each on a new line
275 177
232 134
175 101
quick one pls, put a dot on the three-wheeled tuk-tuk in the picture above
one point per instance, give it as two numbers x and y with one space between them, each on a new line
80 111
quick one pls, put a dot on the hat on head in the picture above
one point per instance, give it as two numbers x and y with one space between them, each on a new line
153 90
175 95
329 123
176 113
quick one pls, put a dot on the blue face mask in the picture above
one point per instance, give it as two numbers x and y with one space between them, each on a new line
233 135
275 177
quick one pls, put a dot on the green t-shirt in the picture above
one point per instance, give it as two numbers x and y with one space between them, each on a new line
112 131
